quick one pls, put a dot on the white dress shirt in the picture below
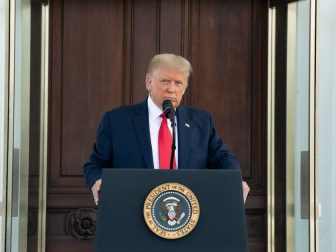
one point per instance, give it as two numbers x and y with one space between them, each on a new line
154 116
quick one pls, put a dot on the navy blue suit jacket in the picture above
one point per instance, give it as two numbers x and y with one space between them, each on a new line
123 141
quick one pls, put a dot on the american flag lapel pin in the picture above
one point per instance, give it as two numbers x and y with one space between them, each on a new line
187 125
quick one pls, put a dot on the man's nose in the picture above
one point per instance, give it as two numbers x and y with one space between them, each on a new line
171 86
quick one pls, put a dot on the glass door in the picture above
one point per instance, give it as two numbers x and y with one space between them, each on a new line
292 88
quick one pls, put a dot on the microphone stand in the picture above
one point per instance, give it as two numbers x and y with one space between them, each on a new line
173 147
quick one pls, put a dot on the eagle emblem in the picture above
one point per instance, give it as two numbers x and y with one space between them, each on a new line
171 211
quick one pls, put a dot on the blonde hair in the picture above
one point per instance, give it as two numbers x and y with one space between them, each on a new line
169 60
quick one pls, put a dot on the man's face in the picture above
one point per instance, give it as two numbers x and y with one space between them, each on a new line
167 84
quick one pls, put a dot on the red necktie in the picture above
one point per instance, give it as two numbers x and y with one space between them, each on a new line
165 143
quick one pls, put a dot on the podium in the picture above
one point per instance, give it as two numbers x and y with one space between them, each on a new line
126 195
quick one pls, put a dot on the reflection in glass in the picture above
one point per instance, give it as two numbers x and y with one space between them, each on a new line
298 126
302 128
26 127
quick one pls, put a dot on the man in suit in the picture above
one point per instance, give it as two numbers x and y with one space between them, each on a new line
135 136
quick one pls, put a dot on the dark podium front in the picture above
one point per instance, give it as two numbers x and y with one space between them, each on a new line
121 226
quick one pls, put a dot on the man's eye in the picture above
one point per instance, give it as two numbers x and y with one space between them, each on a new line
164 81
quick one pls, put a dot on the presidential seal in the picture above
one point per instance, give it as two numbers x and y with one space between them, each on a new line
171 210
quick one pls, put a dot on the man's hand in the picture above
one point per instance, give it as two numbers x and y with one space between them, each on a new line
95 191
246 190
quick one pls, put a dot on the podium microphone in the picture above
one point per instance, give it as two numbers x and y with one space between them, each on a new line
169 111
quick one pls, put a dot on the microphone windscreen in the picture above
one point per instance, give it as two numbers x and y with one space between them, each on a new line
167 108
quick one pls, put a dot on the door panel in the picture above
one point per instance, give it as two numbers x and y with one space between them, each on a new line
99 53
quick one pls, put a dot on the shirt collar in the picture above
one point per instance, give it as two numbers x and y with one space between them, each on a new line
153 110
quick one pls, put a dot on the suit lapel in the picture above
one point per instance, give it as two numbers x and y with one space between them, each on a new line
141 124
183 128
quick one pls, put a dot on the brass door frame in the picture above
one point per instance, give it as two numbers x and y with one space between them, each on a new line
270 130
43 128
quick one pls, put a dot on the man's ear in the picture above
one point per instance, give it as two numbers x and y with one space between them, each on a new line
148 83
